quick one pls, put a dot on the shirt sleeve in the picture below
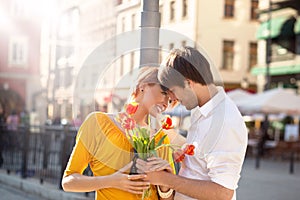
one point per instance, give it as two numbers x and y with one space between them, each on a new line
224 168
225 162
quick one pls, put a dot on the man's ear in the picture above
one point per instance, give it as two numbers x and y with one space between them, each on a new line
190 82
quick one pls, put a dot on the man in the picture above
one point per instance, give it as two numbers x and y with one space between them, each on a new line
217 130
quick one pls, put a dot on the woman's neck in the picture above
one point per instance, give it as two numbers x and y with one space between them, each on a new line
140 117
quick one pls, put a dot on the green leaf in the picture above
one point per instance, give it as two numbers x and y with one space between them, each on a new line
144 132
161 141
153 152
152 144
134 144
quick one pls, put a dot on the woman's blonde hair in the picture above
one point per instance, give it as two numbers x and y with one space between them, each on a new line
147 75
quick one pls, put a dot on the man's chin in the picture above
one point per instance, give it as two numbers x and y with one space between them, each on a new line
189 107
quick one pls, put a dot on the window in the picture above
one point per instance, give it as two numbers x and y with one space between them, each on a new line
121 65
18 51
160 54
69 23
123 24
254 7
172 10
65 77
131 62
161 9
18 8
183 43
252 54
132 21
229 9
228 54
184 8
171 46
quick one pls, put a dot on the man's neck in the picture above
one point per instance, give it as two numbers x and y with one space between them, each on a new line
205 93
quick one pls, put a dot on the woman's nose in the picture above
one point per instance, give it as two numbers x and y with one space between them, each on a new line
172 96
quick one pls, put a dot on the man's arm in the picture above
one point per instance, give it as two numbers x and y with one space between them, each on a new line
175 138
198 189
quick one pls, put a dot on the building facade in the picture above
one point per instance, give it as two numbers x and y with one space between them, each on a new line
74 86
20 28
278 40
104 53
225 30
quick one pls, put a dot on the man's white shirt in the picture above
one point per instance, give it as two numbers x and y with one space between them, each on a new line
220 135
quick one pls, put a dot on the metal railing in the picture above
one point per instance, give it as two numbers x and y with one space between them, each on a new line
41 152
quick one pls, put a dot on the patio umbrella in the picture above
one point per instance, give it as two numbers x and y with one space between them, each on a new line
239 95
276 100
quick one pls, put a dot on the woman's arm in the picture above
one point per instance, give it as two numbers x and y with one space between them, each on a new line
131 183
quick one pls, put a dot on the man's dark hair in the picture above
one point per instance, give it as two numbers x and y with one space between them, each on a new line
185 63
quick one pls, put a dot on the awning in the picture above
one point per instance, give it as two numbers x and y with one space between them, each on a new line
297 26
292 69
283 26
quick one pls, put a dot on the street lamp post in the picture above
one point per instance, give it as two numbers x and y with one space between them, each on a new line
150 24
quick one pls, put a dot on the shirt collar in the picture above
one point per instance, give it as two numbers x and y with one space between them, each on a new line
209 106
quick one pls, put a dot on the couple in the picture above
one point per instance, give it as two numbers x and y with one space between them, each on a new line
217 129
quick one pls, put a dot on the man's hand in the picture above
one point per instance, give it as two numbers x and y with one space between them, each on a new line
154 167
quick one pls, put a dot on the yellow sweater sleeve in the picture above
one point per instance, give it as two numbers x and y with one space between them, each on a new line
166 152
78 160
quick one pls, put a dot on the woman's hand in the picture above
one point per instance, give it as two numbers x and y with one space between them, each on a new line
153 167
153 164
131 183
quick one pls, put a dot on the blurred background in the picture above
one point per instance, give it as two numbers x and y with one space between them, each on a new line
48 84
45 43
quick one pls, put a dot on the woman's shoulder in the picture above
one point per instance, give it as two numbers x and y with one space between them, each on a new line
96 115
93 125
101 119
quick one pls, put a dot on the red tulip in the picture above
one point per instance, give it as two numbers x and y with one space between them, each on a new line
131 108
128 123
167 123
189 149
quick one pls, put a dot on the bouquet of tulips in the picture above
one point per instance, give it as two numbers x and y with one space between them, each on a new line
144 143
141 138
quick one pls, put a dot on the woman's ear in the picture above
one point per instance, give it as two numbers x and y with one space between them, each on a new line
141 88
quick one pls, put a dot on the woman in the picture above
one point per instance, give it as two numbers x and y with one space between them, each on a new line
102 144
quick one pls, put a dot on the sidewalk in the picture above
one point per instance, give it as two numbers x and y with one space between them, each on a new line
272 181
45 190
